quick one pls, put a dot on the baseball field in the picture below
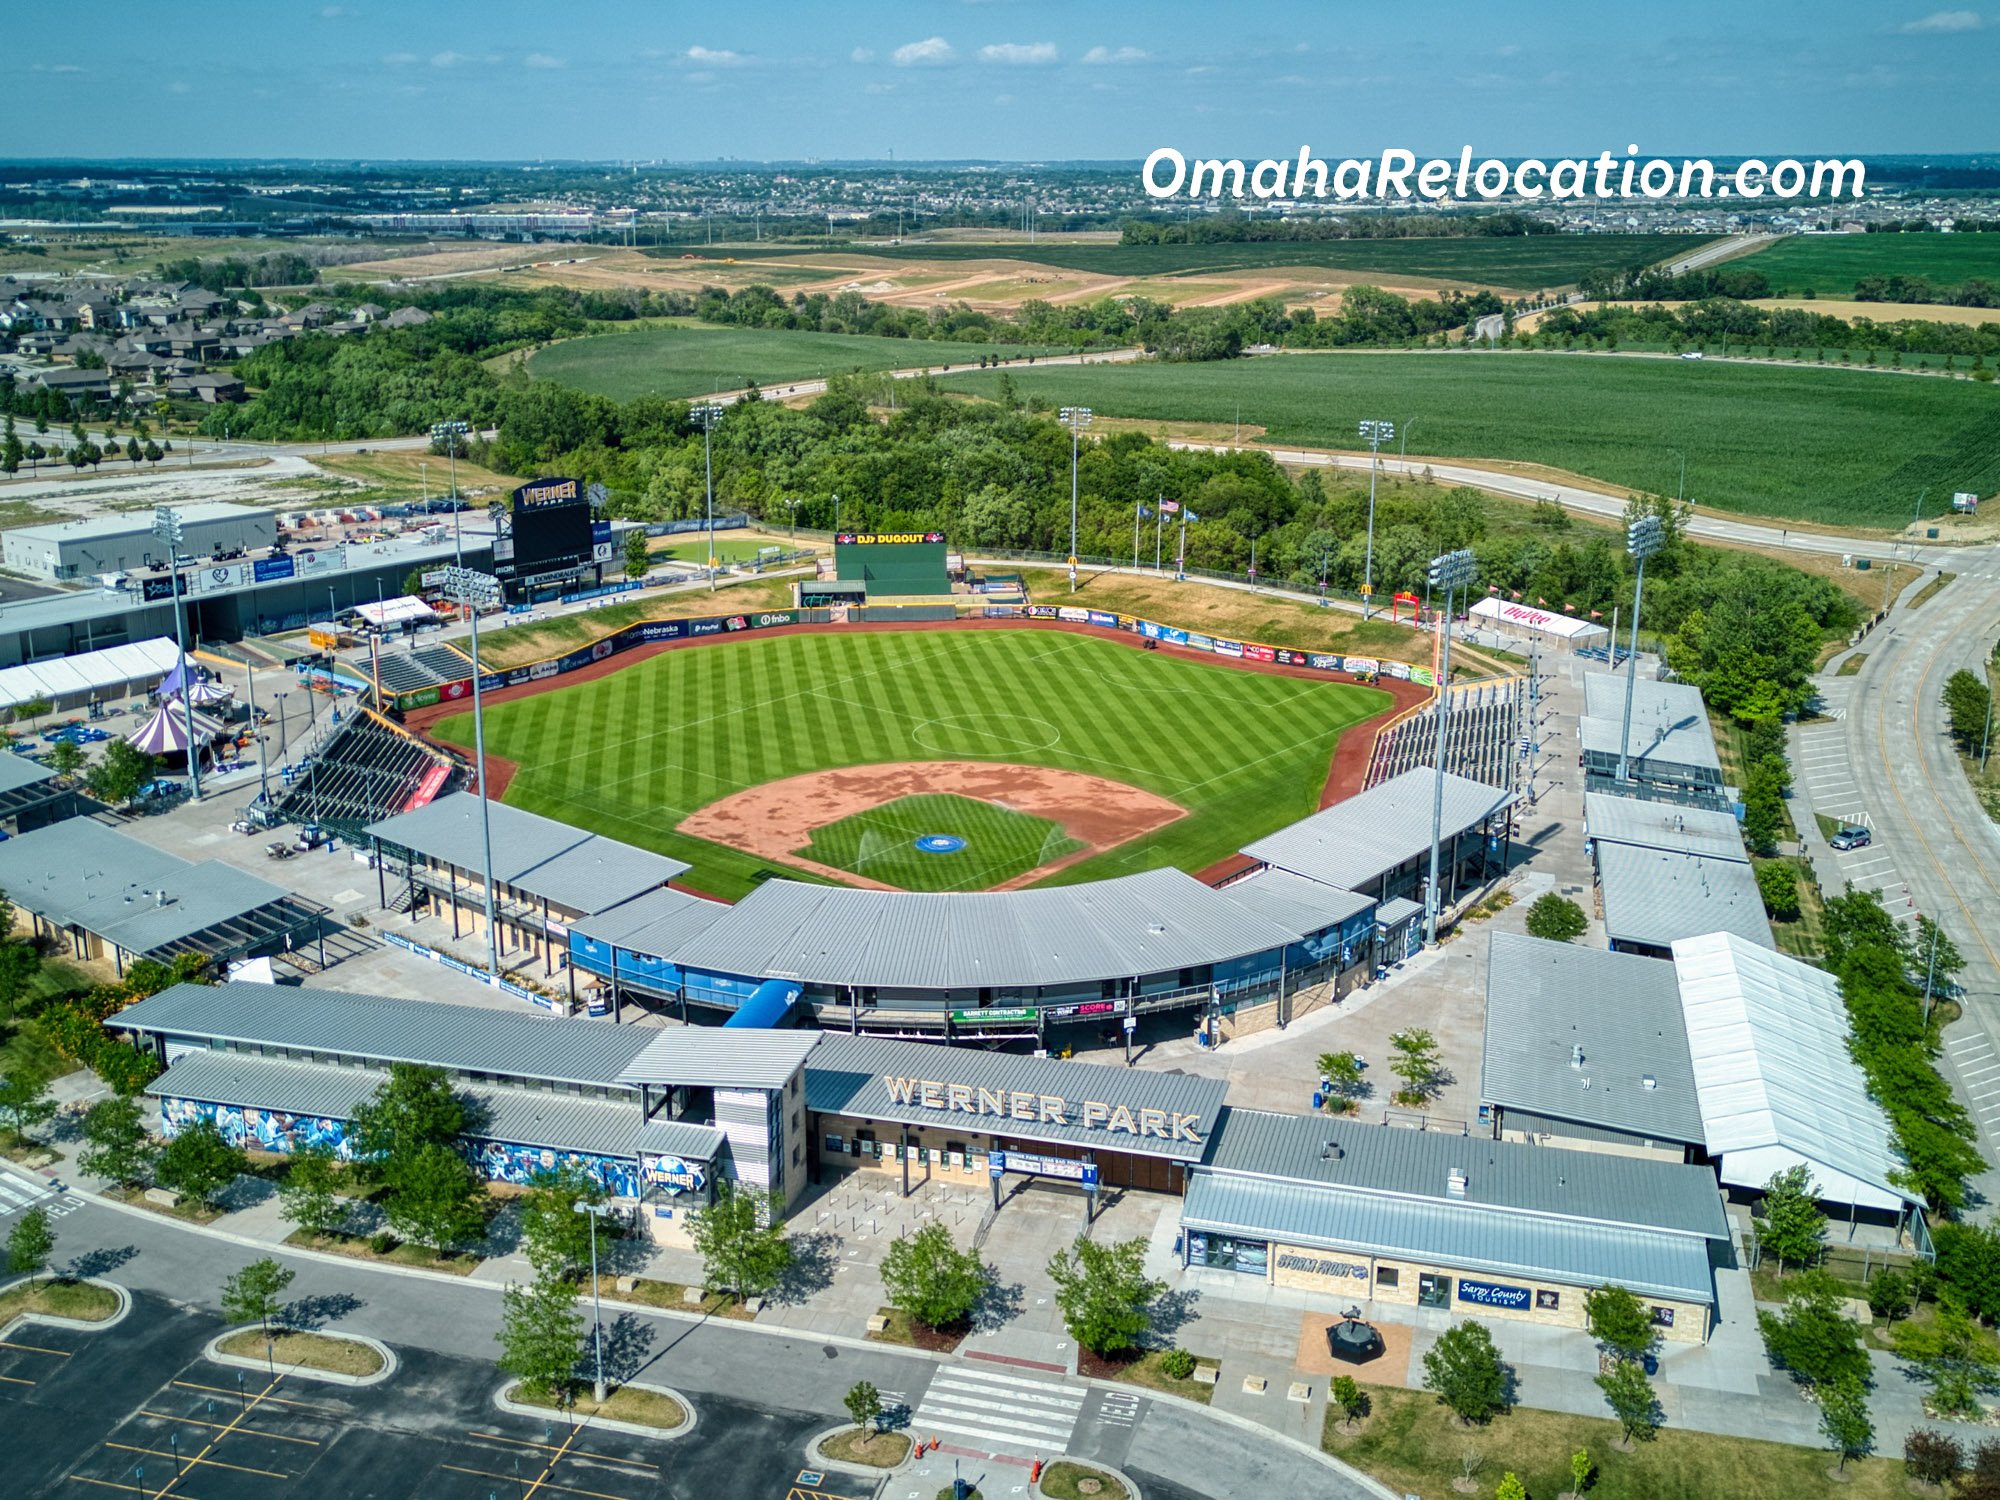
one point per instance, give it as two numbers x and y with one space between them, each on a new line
924 760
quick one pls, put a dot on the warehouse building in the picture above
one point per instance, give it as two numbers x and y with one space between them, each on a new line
68 550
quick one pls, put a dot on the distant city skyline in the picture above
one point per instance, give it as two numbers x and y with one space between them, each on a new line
1006 80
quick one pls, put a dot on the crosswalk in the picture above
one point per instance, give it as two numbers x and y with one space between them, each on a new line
998 1413
16 1195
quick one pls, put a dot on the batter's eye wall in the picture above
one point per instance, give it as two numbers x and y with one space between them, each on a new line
893 566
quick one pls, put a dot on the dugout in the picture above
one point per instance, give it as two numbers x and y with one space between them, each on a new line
910 564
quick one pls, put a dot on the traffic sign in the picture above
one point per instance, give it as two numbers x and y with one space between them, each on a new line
1131 1023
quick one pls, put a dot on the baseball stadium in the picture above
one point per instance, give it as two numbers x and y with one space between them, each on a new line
909 818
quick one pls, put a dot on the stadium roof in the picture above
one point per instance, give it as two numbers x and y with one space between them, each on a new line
847 1072
1669 721
80 873
682 1138
1373 832
1653 897
1661 825
1416 1165
581 872
1294 901
1507 1246
17 772
1653 702
140 523
656 923
459 1038
1768 1038
525 1117
1148 923
720 1057
1624 1011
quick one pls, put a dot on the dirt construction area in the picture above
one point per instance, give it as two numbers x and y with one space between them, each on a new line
778 818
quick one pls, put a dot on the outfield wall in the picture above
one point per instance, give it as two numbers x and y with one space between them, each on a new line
655 632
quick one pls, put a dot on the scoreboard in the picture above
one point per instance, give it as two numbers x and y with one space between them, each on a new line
893 564
550 531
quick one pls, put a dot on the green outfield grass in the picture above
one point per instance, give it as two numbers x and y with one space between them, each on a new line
1828 265
1525 263
632 754
688 359
881 843
1828 445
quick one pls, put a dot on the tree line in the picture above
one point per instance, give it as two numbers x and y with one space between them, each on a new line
1745 282
1236 229
1727 323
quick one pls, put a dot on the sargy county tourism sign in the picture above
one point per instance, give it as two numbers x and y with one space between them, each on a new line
1043 1109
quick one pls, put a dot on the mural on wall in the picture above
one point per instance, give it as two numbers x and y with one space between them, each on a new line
281 1133
270 1130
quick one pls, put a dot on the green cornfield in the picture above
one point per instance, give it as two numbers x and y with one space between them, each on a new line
1828 265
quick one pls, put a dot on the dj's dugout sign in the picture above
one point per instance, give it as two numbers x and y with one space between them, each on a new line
652 632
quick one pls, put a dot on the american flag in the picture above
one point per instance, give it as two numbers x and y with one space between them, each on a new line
1170 507
1597 614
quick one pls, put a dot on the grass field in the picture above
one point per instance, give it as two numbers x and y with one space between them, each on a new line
517 645
678 359
633 754
1526 263
1828 265
881 843
1822 445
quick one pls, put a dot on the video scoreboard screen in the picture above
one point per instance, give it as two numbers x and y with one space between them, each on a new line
551 530
906 564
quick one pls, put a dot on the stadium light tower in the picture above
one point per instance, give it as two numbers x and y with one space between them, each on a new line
1450 571
1374 434
1643 539
1075 418
167 527
454 432
708 415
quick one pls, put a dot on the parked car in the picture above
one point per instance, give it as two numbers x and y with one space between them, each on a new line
1852 837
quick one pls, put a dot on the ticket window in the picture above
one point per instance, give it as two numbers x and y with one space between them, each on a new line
1433 1290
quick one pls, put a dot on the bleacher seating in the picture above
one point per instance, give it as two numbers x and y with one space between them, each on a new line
366 772
1479 736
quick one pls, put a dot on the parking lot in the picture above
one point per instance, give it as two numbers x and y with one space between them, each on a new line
138 1411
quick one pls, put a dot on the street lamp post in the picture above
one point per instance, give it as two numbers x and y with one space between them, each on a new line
1075 418
1643 539
708 414
596 1211
167 527
1449 571
1680 492
1374 433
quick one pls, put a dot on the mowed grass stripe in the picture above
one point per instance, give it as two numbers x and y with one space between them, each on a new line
631 754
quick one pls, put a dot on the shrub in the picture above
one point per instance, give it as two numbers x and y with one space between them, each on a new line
1932 1457
1177 1363
1556 919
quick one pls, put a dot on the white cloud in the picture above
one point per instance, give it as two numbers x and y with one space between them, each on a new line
713 57
54 68
861 55
544 60
448 59
400 59
1020 54
178 87
878 88
334 12
930 51
1116 55
1943 21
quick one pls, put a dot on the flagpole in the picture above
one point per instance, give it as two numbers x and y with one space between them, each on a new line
1159 521
1180 567
1138 510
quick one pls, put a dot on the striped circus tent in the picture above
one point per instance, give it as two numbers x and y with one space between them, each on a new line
205 693
166 732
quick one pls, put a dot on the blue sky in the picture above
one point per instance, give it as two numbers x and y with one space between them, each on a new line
1010 79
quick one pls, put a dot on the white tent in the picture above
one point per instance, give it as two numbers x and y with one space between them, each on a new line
1507 614
398 611
70 682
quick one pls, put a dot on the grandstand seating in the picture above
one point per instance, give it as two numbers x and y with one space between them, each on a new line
366 772
1480 736
422 667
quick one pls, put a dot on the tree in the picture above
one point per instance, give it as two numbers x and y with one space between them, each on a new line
742 1241
1557 919
1104 1294
1951 1354
33 710
414 1107
1630 1396
1416 1063
863 1403
1889 1294
413 582
119 773
1350 1398
24 1101
932 1280
1792 1227
1341 1071
1580 1470
307 1197
1932 1457
252 1294
1934 958
637 559
435 1199
1463 1369
555 1236
1619 1321
199 1162
1764 804
1778 884
1510 1487
541 1334
1844 1419
66 759
30 1243
116 1145
1967 700
1812 1336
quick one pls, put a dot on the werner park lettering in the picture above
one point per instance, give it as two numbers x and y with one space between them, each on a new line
1043 1109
